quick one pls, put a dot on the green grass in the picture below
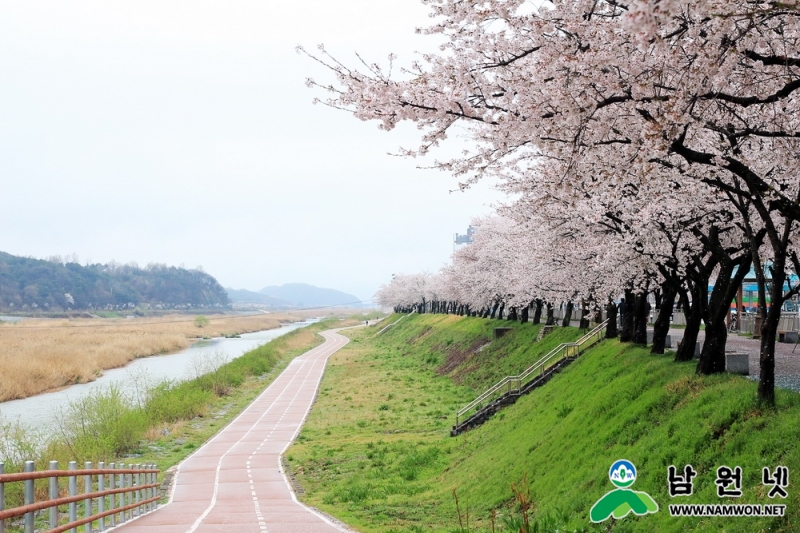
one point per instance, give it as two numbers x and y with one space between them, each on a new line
376 451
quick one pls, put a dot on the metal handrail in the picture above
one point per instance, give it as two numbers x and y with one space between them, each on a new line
562 349
508 379
130 492
390 325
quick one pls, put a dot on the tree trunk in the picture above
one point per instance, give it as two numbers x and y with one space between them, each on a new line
537 314
626 308
512 314
684 302
640 319
523 316
694 317
500 311
584 315
712 358
611 314
567 314
661 327
712 355
551 320
769 330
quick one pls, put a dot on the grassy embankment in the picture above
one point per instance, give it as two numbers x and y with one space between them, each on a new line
41 355
376 453
168 423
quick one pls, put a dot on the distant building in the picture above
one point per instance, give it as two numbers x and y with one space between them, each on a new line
464 239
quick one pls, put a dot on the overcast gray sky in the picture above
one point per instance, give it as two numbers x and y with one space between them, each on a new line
181 132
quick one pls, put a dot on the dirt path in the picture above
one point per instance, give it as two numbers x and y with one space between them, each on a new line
234 483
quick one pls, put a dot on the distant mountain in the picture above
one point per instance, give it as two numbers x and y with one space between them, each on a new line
250 297
28 284
304 295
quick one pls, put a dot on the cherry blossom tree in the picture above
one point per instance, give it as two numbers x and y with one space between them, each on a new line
626 117
406 292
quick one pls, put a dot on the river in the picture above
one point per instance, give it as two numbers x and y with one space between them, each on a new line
40 411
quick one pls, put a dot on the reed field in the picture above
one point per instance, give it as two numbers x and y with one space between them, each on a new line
38 355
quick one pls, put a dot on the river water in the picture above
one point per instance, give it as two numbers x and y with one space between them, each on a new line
40 411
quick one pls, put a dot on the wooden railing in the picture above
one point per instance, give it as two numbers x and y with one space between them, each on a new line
110 496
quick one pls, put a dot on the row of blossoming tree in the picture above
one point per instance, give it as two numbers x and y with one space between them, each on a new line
645 146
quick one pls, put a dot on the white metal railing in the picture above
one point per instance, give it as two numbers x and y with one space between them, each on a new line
384 328
110 495
788 322
511 384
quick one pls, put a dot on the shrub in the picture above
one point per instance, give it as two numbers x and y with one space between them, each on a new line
214 373
170 401
104 424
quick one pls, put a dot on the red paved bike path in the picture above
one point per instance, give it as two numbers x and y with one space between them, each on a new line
234 482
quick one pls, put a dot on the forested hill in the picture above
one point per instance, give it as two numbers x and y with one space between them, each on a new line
293 296
28 284
305 295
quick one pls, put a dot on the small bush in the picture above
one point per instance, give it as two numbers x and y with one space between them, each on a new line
214 373
169 401
18 444
102 425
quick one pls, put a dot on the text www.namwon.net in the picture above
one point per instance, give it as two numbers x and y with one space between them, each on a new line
736 509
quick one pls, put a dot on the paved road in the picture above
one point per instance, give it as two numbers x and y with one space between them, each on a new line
787 357
234 483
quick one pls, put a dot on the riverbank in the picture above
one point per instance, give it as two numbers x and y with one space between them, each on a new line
45 355
376 452
170 421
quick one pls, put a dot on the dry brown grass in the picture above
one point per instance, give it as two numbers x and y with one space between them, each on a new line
41 355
